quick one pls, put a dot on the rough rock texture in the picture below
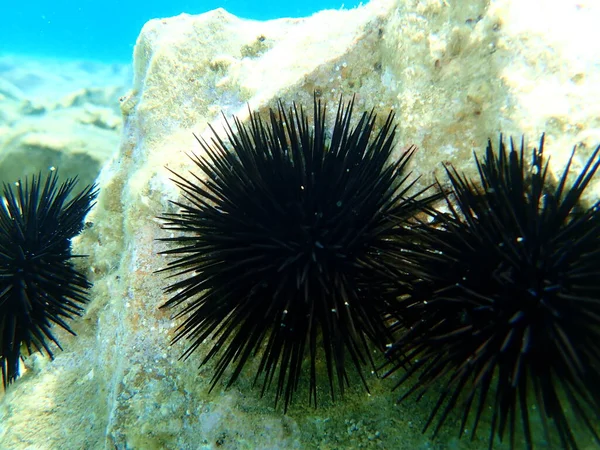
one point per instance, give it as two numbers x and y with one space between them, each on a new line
455 72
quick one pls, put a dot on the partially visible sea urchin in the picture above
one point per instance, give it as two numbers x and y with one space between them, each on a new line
283 245
38 283
506 314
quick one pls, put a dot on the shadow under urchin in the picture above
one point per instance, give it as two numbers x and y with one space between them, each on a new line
505 311
283 246
39 285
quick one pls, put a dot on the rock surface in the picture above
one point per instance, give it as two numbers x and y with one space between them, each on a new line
456 74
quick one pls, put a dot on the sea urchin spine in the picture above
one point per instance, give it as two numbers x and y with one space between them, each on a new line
506 313
38 283
282 245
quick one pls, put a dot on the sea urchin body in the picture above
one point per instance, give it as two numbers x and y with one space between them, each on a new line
38 283
284 243
506 314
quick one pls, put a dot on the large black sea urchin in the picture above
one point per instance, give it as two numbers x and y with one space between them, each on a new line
38 283
284 245
506 315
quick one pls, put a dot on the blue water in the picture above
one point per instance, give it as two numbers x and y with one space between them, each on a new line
106 30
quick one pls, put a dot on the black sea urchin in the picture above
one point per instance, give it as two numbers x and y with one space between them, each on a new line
284 245
507 313
38 283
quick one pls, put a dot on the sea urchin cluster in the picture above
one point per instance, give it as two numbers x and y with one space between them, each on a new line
505 313
295 247
283 245
38 283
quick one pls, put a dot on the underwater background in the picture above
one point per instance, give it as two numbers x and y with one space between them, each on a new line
106 31
76 96
64 65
